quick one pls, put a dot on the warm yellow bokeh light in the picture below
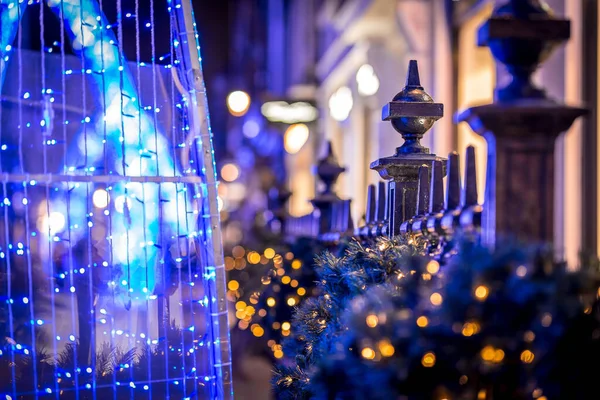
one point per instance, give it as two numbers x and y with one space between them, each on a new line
286 326
301 291
482 292
269 253
487 353
385 348
368 353
422 321
233 285
527 356
285 280
372 320
436 299
428 360
433 267
258 332
238 103
271 302
291 302
296 264
240 305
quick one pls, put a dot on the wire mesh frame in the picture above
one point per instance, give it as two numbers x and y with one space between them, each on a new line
207 238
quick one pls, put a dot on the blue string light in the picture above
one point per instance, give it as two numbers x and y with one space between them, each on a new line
120 254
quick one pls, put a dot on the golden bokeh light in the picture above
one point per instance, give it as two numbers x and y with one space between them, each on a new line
487 353
372 320
428 360
368 353
433 267
422 321
286 279
253 257
269 253
301 291
271 302
296 264
436 299
385 348
286 326
258 331
482 292
233 285
527 356
291 302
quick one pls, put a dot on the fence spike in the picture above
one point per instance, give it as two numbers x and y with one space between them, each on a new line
453 183
436 191
371 205
381 202
469 195
412 77
423 190
348 224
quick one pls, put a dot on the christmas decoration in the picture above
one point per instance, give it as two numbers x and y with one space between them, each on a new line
316 324
111 263
508 323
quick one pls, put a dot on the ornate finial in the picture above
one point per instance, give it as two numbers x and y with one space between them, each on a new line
412 112
328 169
521 34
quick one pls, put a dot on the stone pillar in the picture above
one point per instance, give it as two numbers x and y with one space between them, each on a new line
412 113
522 124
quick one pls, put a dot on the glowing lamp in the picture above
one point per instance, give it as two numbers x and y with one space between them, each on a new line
367 80
230 172
238 103
340 103
295 137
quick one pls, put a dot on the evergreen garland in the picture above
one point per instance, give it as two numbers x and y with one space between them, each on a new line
316 324
391 323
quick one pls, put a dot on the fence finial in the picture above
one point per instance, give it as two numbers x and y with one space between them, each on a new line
412 113
328 170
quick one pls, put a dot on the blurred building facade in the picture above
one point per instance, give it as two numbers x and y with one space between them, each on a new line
349 57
